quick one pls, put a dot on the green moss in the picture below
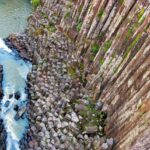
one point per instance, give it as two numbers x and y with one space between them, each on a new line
35 3
100 13
67 15
101 35
51 27
80 8
91 58
79 25
72 72
44 15
39 31
69 5
95 48
141 13
121 2
90 8
102 60
132 45
135 41
92 117
107 45
142 20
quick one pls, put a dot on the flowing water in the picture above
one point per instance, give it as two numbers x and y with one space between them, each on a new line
13 16
15 71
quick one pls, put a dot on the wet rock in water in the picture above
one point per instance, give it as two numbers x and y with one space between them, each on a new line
20 113
2 136
17 95
7 103
10 96
16 107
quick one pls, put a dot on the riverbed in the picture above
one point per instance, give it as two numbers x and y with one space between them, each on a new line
13 16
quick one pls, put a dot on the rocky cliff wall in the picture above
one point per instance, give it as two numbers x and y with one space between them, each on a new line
112 40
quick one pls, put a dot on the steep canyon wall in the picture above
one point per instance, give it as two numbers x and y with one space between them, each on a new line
112 40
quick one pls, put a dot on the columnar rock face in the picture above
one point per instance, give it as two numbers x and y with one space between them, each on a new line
112 40
2 130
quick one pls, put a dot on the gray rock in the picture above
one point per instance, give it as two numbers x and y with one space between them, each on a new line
110 142
98 105
74 117
80 107
20 113
104 146
91 130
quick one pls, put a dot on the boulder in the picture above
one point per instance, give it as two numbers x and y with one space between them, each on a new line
17 95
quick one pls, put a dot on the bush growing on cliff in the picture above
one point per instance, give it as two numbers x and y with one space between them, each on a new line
79 25
95 48
35 3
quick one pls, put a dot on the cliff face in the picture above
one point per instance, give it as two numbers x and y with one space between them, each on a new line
112 39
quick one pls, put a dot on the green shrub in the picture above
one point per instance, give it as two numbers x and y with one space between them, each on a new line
121 2
67 15
102 61
79 25
100 13
141 13
35 3
107 45
95 48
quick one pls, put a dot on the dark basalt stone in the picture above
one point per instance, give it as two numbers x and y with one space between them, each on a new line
10 96
2 136
17 95
16 107
7 103
20 113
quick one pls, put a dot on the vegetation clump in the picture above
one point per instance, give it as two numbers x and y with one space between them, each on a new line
100 13
107 45
92 116
141 13
35 3
79 25
95 48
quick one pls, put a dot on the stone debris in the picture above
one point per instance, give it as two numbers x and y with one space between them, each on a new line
58 101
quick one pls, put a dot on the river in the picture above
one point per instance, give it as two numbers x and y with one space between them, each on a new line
13 14
13 104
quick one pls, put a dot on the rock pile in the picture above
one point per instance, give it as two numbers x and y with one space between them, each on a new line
60 111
